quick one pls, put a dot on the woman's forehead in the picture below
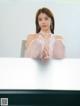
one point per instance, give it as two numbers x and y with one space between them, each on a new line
43 15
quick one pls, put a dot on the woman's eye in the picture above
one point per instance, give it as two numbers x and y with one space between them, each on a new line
40 19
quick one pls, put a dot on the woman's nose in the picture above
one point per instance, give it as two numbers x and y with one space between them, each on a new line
43 22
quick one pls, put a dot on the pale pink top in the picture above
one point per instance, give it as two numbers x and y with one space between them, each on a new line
37 46
47 42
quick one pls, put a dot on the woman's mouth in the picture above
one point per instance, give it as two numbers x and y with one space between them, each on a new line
44 25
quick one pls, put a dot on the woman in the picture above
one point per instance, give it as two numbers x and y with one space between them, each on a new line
44 44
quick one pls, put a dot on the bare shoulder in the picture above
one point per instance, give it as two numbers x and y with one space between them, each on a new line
59 37
31 36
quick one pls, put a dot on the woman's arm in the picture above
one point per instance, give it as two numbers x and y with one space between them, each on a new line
33 47
59 49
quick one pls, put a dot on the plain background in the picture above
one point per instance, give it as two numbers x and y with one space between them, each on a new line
17 20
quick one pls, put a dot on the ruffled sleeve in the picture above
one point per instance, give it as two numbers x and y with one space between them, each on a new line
59 38
59 47
33 47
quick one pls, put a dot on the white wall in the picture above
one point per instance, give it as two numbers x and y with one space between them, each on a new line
17 20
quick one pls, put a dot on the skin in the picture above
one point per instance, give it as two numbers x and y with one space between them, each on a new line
44 23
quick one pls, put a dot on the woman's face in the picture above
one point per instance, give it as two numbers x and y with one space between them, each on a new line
44 22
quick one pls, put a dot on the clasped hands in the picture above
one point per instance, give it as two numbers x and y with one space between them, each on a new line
45 53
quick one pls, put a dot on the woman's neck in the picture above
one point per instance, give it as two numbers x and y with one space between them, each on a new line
45 31
45 34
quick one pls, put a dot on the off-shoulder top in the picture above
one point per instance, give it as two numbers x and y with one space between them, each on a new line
37 43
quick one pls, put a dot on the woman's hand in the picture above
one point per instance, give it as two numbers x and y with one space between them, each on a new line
45 53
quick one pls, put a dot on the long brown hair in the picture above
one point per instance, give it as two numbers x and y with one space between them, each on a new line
49 14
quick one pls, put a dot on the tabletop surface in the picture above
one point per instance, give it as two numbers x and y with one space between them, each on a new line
26 73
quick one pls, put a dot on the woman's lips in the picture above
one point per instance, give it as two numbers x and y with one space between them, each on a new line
44 26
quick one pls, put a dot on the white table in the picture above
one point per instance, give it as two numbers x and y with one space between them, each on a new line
25 73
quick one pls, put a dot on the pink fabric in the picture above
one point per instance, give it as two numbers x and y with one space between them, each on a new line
37 47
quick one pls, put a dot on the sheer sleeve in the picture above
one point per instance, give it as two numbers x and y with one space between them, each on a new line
34 48
59 48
